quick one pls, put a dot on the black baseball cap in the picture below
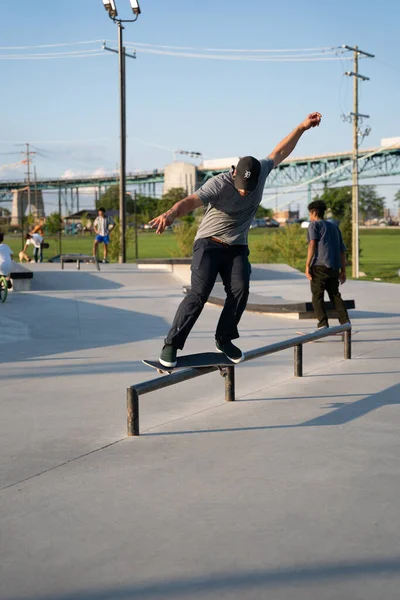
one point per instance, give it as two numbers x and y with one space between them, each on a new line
247 173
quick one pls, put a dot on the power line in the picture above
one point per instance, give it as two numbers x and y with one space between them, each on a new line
59 45
51 56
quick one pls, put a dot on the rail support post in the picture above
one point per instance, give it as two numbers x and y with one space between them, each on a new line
132 405
230 384
298 360
347 344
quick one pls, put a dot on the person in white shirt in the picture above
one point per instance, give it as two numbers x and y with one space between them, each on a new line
35 240
5 260
102 226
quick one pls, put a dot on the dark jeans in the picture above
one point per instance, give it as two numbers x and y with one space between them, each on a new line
209 259
325 279
38 254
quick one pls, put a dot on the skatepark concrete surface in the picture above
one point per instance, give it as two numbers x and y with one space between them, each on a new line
291 492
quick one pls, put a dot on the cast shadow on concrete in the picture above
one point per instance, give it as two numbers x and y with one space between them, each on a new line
240 582
61 281
342 413
259 273
368 314
61 325
82 368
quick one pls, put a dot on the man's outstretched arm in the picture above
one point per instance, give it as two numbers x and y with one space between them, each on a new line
286 146
180 209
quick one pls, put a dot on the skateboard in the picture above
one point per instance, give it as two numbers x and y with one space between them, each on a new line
204 359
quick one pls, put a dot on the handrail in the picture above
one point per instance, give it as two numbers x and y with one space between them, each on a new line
139 389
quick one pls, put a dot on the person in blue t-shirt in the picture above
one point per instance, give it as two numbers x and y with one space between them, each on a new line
326 264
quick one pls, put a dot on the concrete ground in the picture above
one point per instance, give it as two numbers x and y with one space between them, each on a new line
291 492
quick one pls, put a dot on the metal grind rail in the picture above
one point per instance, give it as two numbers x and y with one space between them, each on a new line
139 389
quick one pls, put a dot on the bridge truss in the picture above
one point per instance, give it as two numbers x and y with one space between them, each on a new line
329 169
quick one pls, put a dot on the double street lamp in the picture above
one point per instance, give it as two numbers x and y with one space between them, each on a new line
111 8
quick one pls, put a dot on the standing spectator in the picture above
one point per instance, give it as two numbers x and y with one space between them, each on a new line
326 264
5 261
102 227
35 240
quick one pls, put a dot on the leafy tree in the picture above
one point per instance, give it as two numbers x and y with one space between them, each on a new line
84 221
53 223
347 231
146 208
168 200
397 197
371 205
339 199
110 200
264 212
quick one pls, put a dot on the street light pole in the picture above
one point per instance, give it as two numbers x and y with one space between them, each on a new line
112 13
122 166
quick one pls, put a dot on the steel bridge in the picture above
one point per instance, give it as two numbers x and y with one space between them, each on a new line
327 169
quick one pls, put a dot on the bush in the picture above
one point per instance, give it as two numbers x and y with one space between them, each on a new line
185 233
288 245
114 245
347 232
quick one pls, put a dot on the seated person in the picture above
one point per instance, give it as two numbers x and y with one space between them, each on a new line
5 261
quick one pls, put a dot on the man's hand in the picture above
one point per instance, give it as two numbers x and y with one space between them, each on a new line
313 120
308 274
162 221
342 277
287 145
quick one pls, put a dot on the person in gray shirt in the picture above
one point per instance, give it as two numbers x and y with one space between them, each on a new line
231 201
326 263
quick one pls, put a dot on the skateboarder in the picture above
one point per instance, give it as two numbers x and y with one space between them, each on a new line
326 263
102 227
231 200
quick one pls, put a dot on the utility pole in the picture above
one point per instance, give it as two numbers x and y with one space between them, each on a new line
355 195
28 154
28 162
36 192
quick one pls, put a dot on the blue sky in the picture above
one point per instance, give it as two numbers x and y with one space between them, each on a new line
220 108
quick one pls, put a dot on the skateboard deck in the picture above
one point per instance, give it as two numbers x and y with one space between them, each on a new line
203 359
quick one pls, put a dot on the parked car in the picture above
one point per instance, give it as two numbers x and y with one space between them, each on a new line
271 222
258 223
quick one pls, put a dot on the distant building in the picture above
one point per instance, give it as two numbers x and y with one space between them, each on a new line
20 204
284 216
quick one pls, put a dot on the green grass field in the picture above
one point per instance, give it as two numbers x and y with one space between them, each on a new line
380 249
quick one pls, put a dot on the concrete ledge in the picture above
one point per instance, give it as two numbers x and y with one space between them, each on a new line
142 263
21 278
178 267
274 305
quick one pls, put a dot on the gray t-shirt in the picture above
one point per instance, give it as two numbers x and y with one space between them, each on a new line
229 215
330 244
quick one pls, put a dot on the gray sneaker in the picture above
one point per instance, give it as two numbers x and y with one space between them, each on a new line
230 350
168 356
